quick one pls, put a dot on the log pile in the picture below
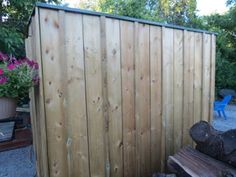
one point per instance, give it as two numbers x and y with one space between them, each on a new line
210 145
217 144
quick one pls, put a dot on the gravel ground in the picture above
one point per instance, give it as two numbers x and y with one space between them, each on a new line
17 163
220 123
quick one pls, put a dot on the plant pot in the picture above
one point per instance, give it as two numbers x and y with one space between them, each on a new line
7 107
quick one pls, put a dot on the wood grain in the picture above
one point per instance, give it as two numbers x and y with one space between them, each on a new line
77 128
178 88
156 97
93 70
114 96
167 87
206 80
198 78
128 106
142 100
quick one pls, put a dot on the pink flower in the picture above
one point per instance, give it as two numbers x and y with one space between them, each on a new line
11 66
1 71
17 62
3 80
32 64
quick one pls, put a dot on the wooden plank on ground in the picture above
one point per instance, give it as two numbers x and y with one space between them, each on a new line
178 88
93 68
190 162
114 96
206 77
77 140
128 107
156 97
52 56
198 78
167 89
142 100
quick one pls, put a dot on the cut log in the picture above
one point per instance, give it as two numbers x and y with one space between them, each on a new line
189 162
217 144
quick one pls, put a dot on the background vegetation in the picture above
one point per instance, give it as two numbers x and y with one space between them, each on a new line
14 17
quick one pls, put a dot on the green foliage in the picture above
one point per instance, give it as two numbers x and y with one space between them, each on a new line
181 12
131 8
11 41
14 16
225 26
225 73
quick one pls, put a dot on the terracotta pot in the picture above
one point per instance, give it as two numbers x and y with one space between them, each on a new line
7 107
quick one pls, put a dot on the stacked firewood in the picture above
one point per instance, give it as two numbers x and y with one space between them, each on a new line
210 145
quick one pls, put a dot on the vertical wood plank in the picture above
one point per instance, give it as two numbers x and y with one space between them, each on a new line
142 100
77 139
188 85
54 93
191 83
212 84
105 95
92 49
163 121
40 96
30 53
136 55
114 96
128 107
178 88
198 78
206 77
167 88
156 97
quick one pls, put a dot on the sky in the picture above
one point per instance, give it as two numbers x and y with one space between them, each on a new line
205 7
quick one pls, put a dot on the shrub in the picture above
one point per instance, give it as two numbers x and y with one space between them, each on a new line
225 73
17 76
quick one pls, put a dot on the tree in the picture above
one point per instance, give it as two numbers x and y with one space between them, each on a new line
88 4
14 16
178 12
225 25
181 12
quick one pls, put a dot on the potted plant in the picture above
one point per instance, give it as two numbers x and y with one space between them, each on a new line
17 76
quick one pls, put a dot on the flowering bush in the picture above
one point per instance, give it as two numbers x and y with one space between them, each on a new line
17 76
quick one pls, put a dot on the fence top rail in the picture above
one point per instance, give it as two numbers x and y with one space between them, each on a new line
89 12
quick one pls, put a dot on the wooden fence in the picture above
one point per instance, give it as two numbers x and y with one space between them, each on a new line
116 95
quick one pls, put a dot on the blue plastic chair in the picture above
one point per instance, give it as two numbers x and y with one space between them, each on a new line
219 106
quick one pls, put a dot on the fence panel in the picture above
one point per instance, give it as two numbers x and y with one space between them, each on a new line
117 96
